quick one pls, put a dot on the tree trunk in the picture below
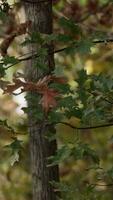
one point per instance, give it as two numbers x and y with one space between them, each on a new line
40 14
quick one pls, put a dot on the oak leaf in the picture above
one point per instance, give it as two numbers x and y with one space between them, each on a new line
49 95
61 80
48 99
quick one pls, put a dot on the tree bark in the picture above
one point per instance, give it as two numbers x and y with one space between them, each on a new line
40 14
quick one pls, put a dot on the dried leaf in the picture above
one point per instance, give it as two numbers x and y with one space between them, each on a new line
61 80
10 88
48 95
6 43
20 30
48 99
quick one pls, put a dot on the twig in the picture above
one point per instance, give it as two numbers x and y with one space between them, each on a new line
103 98
106 185
57 51
87 127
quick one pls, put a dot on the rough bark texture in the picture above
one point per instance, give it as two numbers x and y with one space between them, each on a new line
41 16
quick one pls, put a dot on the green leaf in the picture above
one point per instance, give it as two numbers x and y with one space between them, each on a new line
38 113
40 60
34 37
2 71
5 124
74 112
50 136
63 187
63 88
55 116
15 147
68 24
62 154
83 151
64 38
42 52
82 77
68 102
14 158
10 60
49 38
3 15
58 38
84 46
59 71
110 172
72 49
99 35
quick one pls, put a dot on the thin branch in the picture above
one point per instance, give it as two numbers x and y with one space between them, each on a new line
107 40
21 58
35 55
103 98
87 127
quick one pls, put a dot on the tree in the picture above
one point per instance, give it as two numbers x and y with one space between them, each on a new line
40 14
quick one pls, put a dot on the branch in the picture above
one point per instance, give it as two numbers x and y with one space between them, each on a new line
20 59
103 98
87 127
65 48
107 40
35 55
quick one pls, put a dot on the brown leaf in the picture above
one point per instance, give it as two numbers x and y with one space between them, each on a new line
25 86
61 80
20 30
10 88
48 99
6 43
